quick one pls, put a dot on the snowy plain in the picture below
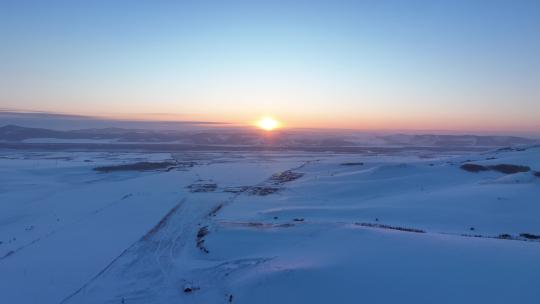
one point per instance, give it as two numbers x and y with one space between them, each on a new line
269 227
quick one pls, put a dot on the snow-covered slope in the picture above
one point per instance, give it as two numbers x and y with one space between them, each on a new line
270 228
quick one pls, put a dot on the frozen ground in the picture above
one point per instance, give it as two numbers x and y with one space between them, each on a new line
274 227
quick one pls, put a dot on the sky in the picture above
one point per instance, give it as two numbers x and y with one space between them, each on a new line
367 65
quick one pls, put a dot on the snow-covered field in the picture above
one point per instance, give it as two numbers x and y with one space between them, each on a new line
269 228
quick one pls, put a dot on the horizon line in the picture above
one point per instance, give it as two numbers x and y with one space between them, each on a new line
128 118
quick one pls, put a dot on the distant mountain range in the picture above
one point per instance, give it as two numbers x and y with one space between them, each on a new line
250 137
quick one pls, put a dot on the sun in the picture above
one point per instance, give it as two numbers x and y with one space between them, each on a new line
268 124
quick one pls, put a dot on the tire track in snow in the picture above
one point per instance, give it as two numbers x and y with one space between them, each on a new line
152 231
77 221
163 242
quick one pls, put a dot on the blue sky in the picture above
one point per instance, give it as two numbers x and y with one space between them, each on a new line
471 65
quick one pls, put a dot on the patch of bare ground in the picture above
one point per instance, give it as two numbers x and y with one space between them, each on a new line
502 168
9 253
383 226
352 164
216 209
262 190
510 169
162 222
203 231
188 288
286 176
140 166
530 236
270 186
473 168
257 225
202 187
505 236
236 189
527 237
